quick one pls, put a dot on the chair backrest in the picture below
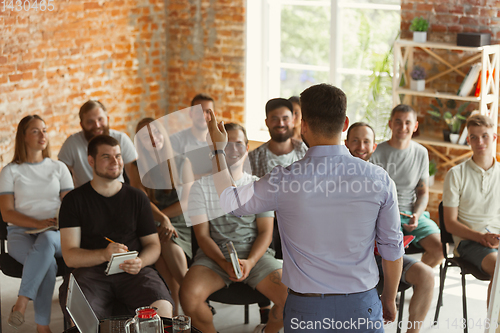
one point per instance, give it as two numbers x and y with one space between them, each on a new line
446 237
3 234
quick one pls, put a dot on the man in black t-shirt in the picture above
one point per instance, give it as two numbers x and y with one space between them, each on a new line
106 208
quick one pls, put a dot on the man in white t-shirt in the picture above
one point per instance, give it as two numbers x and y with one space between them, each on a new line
193 140
94 121
470 199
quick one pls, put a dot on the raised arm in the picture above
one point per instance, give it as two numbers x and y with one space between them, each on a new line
75 257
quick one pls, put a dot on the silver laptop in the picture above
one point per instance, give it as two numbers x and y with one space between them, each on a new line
84 317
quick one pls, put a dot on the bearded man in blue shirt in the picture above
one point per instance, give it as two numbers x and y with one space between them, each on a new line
332 208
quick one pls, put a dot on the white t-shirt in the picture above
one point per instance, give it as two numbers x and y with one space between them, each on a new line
36 187
184 142
476 194
74 153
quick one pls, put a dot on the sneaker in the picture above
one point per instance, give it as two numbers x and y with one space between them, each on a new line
260 328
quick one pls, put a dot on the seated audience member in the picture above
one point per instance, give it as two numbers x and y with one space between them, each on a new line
251 235
31 189
107 208
176 173
361 143
282 149
470 199
297 115
407 163
193 141
94 121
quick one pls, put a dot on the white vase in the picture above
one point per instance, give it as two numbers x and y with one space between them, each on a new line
431 180
418 85
454 137
420 36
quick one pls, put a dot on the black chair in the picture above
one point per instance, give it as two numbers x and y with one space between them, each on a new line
452 261
237 293
10 267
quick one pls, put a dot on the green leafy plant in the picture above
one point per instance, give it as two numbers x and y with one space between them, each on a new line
454 122
419 24
432 168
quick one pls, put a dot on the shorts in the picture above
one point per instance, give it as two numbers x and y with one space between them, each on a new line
132 291
407 263
473 252
425 227
265 266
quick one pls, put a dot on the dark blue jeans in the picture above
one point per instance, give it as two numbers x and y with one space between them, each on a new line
359 312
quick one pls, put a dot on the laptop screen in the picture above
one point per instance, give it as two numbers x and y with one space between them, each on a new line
79 308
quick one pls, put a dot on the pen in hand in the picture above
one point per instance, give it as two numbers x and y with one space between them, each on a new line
491 233
109 240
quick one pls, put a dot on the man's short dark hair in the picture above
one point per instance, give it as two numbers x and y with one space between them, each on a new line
202 97
295 99
90 105
324 109
276 103
359 124
403 108
235 126
479 120
100 140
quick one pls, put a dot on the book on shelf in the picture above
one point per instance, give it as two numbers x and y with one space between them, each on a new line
478 87
469 80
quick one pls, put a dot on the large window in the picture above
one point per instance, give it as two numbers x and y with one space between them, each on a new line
293 44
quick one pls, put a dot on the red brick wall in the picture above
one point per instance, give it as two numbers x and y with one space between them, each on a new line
51 62
206 53
446 19
139 57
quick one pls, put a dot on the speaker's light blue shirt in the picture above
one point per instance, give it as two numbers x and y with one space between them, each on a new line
331 208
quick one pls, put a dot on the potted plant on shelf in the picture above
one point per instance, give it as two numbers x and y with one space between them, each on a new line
454 122
417 81
432 172
419 26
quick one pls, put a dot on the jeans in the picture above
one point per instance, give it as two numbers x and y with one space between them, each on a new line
37 253
358 312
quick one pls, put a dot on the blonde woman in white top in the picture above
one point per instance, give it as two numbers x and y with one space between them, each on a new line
31 189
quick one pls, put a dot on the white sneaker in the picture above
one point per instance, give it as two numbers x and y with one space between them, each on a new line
260 328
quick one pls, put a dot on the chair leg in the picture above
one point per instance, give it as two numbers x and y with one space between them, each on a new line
246 314
400 310
464 303
442 277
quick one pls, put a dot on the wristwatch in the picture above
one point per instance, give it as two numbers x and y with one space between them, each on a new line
215 152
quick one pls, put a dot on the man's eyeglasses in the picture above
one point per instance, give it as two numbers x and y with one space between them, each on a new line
235 145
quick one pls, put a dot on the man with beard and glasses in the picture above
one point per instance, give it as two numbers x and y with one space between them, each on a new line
282 149
94 121
192 141
105 209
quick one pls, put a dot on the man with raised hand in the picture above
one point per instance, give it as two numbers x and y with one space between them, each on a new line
361 143
94 121
105 216
193 140
250 234
407 162
331 209
470 199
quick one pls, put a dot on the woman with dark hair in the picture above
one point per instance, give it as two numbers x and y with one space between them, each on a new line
31 189
166 179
